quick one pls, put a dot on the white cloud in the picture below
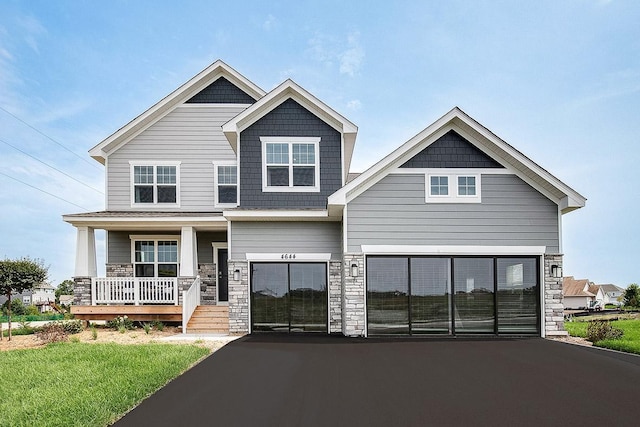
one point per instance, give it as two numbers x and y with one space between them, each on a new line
269 23
351 59
354 104
329 49
33 29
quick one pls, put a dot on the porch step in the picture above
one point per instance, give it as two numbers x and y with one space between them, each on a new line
211 319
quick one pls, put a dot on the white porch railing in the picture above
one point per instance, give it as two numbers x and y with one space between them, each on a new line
190 300
134 290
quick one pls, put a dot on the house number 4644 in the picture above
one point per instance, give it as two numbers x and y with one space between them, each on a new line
288 256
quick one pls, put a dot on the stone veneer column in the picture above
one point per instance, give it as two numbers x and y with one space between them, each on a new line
353 297
207 272
335 297
553 307
239 298
82 291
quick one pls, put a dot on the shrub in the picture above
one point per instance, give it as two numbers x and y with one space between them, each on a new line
598 330
52 332
158 325
120 323
147 327
73 326
31 310
94 333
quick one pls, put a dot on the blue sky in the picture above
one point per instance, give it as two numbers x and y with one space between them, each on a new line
558 80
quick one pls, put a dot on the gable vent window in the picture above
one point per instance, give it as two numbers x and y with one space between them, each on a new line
226 185
290 164
453 187
154 184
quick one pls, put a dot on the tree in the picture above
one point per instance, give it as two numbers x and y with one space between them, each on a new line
632 295
19 275
64 288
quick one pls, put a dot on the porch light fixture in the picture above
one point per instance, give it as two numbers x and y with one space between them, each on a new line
236 275
354 269
556 271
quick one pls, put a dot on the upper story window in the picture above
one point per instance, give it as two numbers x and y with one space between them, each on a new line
155 256
226 178
155 183
443 187
290 164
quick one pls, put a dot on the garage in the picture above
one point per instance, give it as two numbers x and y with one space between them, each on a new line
289 297
421 295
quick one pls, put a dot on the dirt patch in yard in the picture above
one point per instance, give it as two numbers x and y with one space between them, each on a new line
105 335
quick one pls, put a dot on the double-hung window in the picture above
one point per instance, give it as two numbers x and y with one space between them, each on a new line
226 192
155 183
447 186
155 257
290 164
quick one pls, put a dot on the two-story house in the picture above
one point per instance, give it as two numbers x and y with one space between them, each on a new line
227 200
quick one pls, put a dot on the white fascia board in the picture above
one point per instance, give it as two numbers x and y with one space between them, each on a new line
277 215
142 222
452 250
286 90
169 102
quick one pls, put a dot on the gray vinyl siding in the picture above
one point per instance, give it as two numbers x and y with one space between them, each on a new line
394 212
205 247
285 237
119 244
191 134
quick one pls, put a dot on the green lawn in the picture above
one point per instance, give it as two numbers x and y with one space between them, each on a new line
80 384
630 341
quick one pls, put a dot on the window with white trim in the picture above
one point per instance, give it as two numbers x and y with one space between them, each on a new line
453 188
155 258
226 179
290 164
155 184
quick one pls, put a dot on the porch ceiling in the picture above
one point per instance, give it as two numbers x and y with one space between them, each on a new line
148 220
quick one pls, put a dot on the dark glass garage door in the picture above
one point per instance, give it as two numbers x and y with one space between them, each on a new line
289 297
452 295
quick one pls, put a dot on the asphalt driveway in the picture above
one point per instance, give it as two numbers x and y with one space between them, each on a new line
333 381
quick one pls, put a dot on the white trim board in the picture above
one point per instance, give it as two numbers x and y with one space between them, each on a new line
452 250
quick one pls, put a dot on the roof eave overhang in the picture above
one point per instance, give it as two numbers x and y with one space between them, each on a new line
171 101
145 223
278 215
567 198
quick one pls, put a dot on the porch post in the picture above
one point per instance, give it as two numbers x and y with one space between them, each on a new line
85 252
188 253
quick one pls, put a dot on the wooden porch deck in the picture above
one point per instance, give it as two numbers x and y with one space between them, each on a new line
141 313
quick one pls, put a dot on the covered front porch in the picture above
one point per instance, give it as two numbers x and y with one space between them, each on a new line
157 269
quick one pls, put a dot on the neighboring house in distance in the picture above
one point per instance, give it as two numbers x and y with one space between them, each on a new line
580 293
40 296
611 293
228 202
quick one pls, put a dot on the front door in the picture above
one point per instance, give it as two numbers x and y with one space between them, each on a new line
223 275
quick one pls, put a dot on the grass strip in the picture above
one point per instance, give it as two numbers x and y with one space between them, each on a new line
629 343
80 384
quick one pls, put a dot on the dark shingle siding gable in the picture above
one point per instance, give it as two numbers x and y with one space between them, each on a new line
222 91
288 119
451 151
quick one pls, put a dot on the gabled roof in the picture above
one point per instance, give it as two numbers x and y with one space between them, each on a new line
171 101
611 288
576 288
291 90
481 137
